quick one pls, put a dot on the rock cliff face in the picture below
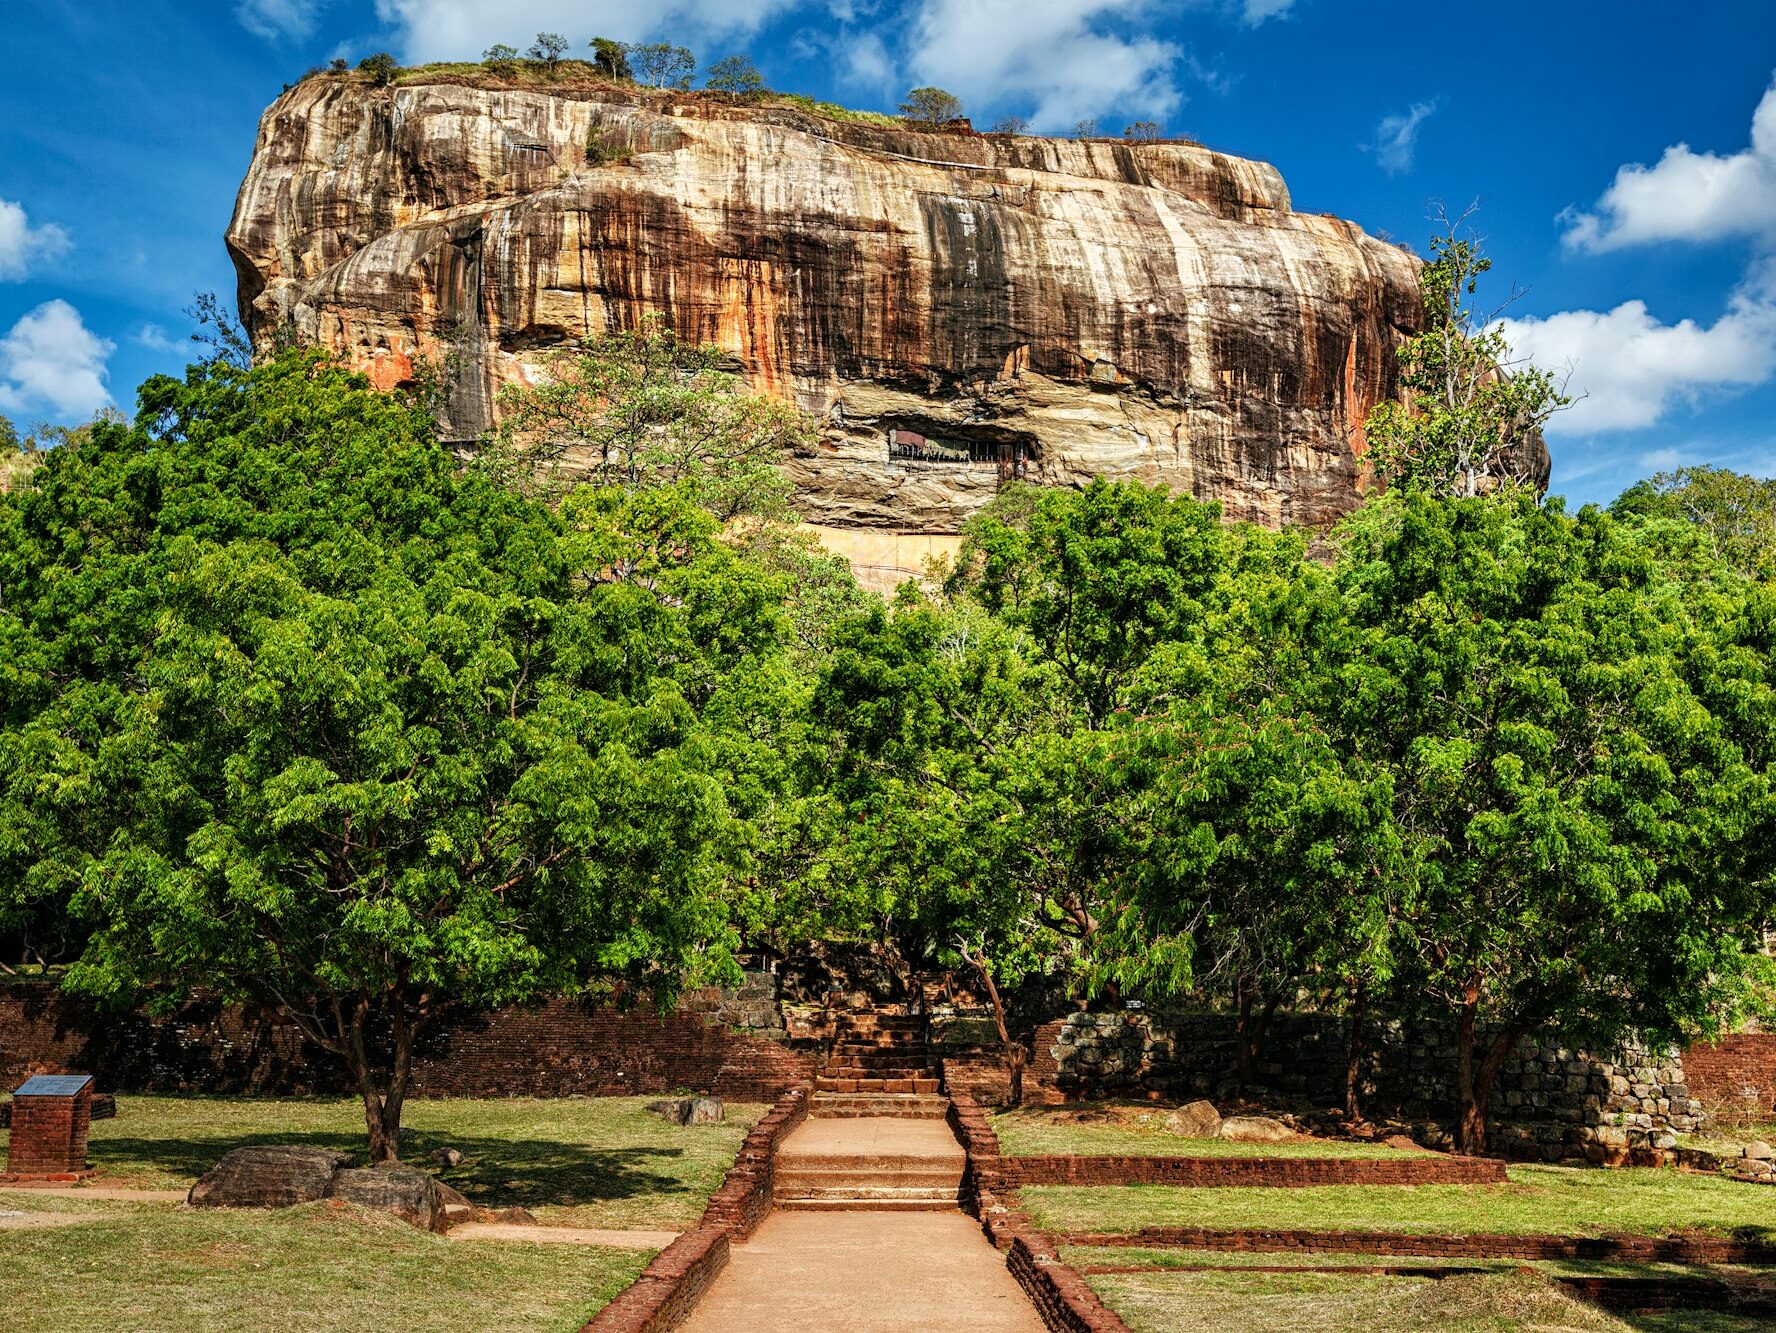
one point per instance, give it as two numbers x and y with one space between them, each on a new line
955 309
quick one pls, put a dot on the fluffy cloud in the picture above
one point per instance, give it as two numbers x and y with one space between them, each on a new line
21 243
1396 138
1062 52
52 360
1631 368
1688 196
463 29
1257 11
279 20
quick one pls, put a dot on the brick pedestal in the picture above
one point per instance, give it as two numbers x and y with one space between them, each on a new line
50 1118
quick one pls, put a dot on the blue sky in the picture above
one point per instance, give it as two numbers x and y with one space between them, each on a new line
1623 153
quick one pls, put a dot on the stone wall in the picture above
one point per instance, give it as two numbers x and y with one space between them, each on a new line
727 1043
1550 1102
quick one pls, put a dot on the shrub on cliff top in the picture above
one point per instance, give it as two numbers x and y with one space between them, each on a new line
931 108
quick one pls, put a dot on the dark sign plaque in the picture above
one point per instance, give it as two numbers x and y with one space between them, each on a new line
52 1085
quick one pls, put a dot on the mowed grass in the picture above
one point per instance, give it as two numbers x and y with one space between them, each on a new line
595 1162
1245 1302
1539 1199
1034 1130
157 1267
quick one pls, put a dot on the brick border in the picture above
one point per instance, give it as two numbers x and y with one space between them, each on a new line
1624 1248
672 1284
1063 1298
1247 1172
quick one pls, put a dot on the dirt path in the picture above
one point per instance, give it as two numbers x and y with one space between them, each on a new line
616 1240
866 1271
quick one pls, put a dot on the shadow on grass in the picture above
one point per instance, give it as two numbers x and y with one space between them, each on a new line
496 1173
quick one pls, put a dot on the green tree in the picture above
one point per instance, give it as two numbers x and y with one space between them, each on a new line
736 76
500 58
1471 416
611 59
381 67
662 65
296 710
930 108
1736 512
547 49
643 409
1582 832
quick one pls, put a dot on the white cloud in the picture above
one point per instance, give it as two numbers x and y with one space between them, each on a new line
462 29
1058 52
1688 196
865 62
1255 12
52 360
279 20
21 243
1396 137
155 339
1632 368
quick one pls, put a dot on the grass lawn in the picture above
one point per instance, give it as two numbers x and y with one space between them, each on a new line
595 1161
1238 1302
1539 1199
1032 1130
158 1267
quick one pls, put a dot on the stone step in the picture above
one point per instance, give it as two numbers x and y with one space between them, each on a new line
857 1190
880 1072
923 1173
895 1105
868 1205
880 1050
879 1086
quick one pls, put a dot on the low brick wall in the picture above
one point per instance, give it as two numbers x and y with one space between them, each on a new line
669 1288
560 1048
1735 1072
1626 1249
1284 1172
1063 1298
746 1195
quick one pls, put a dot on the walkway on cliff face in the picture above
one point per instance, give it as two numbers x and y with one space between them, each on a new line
848 1265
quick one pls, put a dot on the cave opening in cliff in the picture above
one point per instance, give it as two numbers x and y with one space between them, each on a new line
953 444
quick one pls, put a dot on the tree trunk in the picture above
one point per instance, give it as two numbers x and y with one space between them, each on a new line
382 1106
1242 1031
1015 1055
1353 1065
1474 1083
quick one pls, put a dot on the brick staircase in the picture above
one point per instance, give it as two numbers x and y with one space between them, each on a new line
880 1066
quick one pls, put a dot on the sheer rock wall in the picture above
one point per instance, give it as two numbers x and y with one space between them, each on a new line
1057 309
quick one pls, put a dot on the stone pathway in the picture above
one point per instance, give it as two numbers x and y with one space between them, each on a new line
865 1273
867 1238
112 1193
616 1240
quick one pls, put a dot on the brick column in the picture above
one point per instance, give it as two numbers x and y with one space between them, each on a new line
50 1118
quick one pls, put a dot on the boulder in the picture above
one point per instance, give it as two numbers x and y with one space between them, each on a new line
689 1110
1759 1151
447 1157
414 1196
1195 1120
268 1176
1255 1129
